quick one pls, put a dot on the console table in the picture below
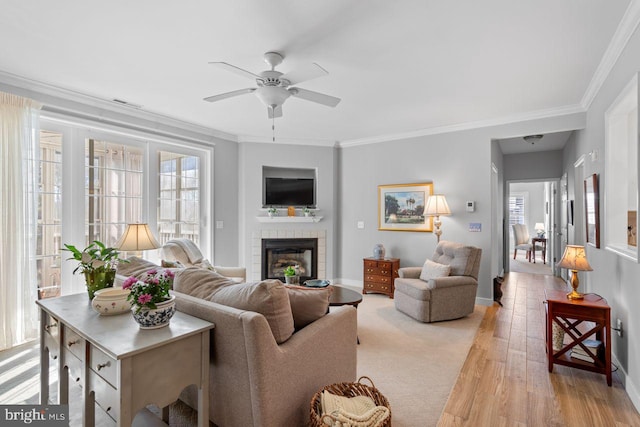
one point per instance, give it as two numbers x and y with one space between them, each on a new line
569 314
119 366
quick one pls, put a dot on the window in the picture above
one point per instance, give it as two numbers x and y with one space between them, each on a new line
516 209
49 228
179 197
113 184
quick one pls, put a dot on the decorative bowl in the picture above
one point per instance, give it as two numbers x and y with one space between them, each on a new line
154 318
317 283
110 301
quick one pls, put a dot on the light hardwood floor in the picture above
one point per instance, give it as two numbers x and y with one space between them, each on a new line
505 380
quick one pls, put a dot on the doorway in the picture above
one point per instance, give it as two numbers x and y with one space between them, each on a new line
533 205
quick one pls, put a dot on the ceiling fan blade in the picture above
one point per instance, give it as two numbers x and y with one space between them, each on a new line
275 112
309 72
236 70
222 96
309 95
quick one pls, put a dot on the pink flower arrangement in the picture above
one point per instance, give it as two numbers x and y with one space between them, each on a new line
152 289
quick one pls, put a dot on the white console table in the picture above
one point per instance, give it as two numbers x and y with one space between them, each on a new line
121 367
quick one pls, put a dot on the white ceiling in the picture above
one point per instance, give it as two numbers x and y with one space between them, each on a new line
399 66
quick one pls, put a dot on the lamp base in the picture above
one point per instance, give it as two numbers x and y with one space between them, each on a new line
574 284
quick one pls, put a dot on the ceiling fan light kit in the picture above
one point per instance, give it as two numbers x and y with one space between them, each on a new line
532 139
273 87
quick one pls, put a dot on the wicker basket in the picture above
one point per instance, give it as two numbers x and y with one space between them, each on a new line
347 390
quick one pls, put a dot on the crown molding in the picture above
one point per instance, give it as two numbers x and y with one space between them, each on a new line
618 43
290 141
76 104
516 118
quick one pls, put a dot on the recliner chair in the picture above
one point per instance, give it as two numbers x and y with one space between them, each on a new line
440 298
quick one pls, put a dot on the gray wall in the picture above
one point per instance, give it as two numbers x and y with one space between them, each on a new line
543 165
614 278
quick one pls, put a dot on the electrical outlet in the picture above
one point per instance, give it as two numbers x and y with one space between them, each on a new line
619 327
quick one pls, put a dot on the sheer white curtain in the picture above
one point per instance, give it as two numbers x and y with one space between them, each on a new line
18 143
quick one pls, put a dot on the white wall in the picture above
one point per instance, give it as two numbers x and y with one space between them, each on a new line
614 278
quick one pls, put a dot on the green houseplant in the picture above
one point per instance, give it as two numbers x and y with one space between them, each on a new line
98 264
290 275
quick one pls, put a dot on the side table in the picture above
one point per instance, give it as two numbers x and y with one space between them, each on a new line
568 315
542 240
120 367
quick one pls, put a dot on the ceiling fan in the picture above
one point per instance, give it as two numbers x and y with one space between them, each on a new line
275 87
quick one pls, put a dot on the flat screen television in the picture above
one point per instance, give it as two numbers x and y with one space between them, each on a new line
289 192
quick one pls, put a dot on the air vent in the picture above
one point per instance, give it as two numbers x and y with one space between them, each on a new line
127 104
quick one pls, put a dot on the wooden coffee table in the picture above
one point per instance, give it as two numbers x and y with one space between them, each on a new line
343 296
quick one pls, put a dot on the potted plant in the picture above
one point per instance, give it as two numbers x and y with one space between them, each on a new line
98 264
272 211
290 275
307 212
151 303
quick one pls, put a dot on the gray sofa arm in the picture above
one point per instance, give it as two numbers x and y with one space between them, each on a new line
409 272
451 281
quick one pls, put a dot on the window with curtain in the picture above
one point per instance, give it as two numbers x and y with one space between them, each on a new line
179 197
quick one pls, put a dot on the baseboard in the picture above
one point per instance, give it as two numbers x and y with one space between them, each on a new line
356 285
629 386
484 301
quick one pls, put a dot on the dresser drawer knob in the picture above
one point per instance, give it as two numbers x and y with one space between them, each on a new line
102 365
49 327
109 408
54 357
70 343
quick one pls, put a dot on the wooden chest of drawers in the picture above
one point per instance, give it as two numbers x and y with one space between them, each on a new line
379 275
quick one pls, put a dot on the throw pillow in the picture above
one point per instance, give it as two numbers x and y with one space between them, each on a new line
308 304
268 298
433 270
199 283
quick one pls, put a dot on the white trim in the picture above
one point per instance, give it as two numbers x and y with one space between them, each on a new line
621 37
484 301
291 141
629 386
515 118
580 161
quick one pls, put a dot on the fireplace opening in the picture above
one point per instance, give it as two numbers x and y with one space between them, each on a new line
278 254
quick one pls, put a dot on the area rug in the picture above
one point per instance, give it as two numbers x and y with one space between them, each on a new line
522 265
414 364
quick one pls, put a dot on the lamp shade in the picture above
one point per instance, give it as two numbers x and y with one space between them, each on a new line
574 258
437 205
539 226
137 237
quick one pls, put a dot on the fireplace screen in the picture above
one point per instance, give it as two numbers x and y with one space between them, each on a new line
278 254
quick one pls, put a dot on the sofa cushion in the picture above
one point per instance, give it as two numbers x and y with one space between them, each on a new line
433 270
135 267
199 282
268 298
308 304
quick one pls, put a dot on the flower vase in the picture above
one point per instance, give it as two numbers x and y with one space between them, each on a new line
292 280
154 318
97 280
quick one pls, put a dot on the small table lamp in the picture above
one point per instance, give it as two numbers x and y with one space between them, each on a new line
539 227
436 206
574 259
137 238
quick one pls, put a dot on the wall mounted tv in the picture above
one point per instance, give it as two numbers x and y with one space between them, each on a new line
298 192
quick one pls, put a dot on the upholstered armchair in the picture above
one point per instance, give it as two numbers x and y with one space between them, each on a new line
442 289
188 254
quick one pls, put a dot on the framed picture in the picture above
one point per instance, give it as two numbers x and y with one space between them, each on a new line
592 210
570 212
401 207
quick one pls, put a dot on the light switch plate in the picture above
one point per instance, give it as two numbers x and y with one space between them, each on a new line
219 224
360 224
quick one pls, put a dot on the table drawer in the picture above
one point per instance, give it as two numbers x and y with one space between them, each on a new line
378 279
74 343
104 365
51 334
106 396
381 271
74 365
370 263
378 287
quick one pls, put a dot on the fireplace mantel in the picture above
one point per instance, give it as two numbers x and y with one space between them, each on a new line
289 218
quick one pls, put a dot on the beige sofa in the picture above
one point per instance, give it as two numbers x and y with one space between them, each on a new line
450 296
256 382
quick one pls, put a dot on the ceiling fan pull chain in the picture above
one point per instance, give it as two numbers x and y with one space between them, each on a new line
273 124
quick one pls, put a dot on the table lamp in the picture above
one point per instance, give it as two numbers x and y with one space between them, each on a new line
539 227
137 238
436 206
574 259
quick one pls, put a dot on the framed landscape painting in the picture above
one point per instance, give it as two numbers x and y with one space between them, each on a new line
401 207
